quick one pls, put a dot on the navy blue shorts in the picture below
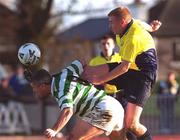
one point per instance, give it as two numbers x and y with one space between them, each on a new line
136 85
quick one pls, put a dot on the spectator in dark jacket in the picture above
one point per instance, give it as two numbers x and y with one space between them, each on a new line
19 83
167 96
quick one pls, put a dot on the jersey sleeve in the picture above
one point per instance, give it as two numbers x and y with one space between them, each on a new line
76 67
65 89
65 101
143 24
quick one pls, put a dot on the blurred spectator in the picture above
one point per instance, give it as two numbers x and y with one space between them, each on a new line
19 84
5 89
108 55
167 96
3 73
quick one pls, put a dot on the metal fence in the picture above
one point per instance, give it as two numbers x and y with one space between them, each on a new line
162 114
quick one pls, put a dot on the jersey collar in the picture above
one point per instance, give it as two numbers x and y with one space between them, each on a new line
102 55
127 28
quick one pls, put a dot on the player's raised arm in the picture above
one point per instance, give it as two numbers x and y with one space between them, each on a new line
152 27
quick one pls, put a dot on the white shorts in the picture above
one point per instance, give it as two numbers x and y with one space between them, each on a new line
107 115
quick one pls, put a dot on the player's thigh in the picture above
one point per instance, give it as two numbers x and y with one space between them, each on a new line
132 114
84 131
80 127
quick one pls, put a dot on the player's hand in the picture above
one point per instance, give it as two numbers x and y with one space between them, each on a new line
155 24
50 133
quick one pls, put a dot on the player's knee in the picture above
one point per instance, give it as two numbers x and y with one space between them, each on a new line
117 135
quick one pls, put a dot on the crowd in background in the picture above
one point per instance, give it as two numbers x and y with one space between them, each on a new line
13 83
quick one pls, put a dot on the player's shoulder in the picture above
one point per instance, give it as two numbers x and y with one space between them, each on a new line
97 57
116 55
136 29
96 60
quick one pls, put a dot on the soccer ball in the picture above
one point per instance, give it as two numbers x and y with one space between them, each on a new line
29 54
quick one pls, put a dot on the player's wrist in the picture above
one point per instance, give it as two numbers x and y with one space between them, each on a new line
50 133
55 130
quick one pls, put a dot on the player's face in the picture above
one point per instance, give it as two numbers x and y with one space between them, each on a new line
107 46
115 24
40 90
171 77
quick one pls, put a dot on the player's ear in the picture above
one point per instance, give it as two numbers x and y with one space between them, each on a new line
123 21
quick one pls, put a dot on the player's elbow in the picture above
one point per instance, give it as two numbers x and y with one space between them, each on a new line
68 111
125 68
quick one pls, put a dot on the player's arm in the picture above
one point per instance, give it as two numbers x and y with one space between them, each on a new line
64 117
66 107
152 27
128 57
119 70
95 70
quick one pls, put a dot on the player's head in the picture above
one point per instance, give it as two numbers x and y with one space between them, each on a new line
171 76
107 45
119 19
41 83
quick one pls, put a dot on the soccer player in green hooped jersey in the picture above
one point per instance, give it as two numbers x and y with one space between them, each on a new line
135 74
76 96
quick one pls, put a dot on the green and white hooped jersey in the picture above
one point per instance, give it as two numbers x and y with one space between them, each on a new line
68 93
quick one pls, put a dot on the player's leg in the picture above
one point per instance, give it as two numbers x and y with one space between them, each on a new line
118 135
132 122
79 127
137 94
84 131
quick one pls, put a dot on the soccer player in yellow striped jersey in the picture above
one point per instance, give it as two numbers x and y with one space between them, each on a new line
136 73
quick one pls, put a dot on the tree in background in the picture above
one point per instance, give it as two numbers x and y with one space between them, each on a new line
28 21
33 21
